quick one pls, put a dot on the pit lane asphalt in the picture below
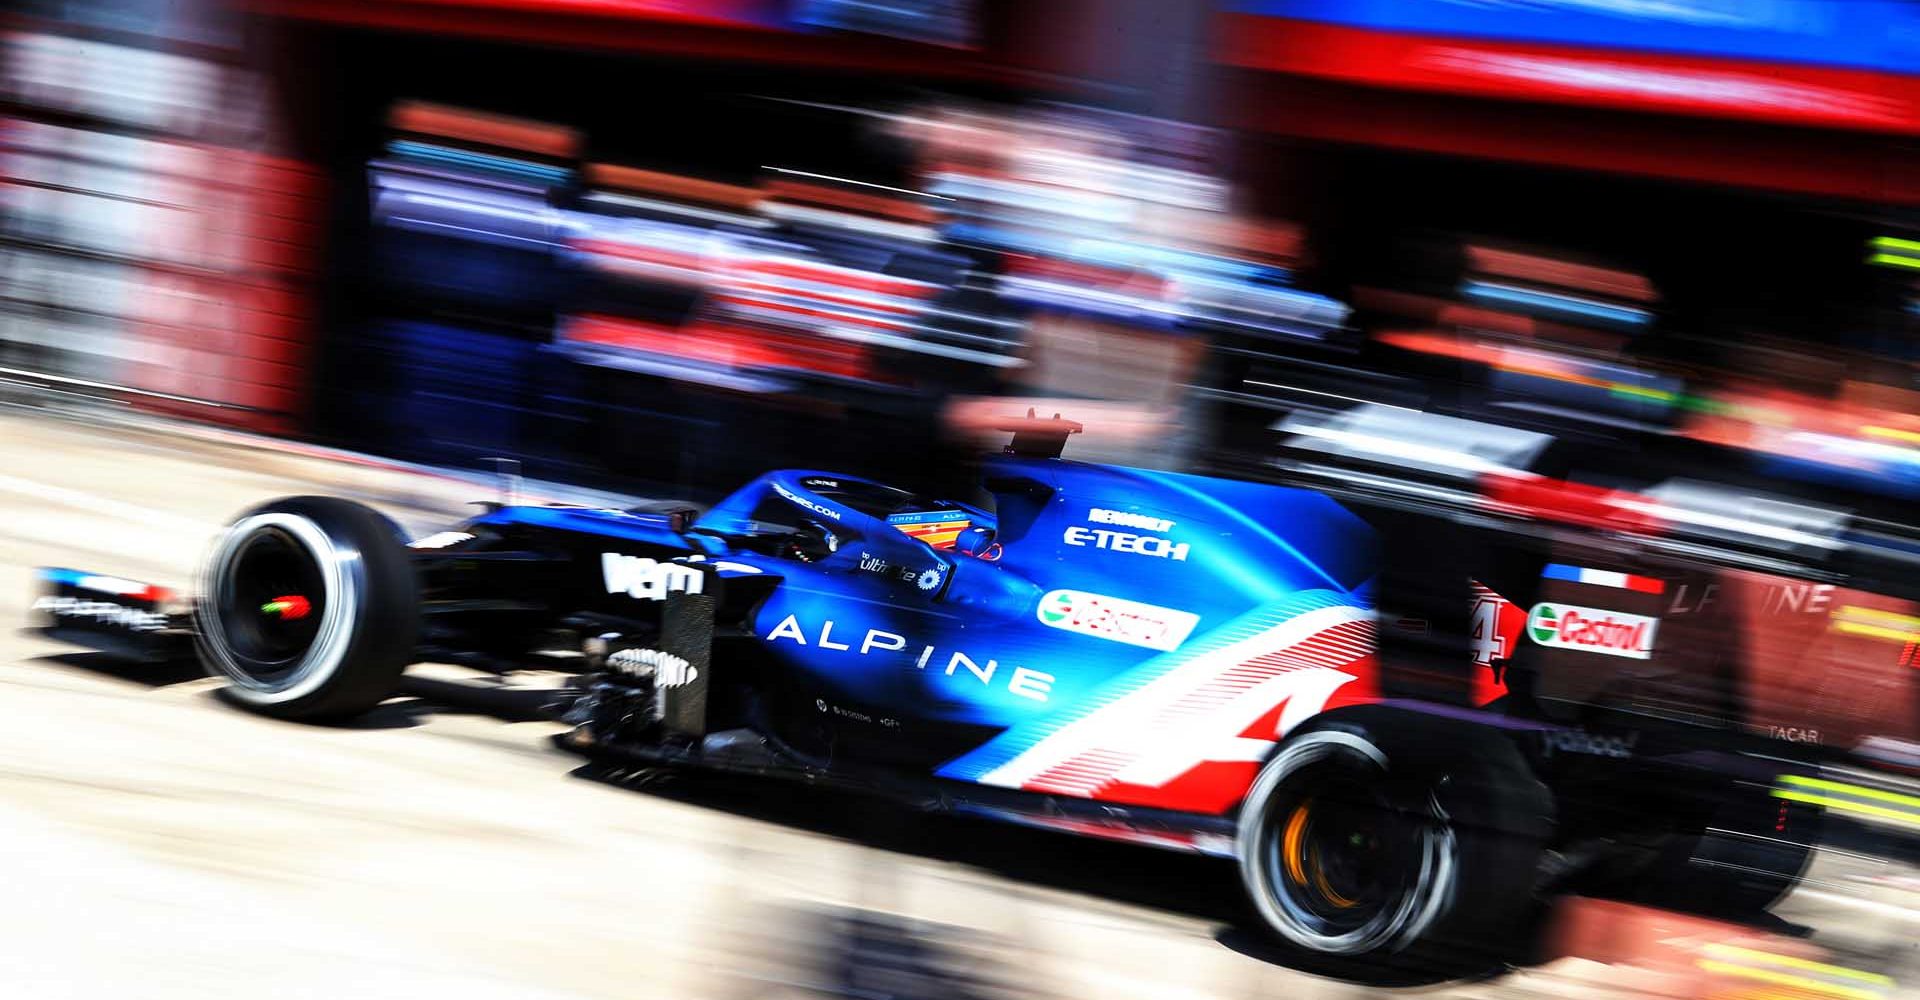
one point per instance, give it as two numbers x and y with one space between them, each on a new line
156 843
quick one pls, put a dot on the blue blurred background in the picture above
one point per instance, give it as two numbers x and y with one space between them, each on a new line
662 245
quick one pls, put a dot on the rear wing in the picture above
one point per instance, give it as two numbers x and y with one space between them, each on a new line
1666 594
1483 474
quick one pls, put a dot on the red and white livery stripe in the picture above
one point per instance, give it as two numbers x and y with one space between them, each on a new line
1192 738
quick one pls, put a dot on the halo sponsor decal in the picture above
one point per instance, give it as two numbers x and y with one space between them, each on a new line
1591 630
800 501
1116 619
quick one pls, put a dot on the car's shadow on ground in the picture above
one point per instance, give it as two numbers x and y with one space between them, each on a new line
1200 888
422 698
485 697
1193 886
158 674
419 698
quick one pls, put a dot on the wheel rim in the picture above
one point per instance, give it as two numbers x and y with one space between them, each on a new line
277 661
1335 857
272 601
1342 863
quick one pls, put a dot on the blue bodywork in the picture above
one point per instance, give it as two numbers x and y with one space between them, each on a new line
895 633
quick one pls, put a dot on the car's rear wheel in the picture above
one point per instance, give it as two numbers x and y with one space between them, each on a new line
309 609
1392 836
1753 851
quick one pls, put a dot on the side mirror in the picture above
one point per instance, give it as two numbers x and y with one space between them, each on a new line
977 542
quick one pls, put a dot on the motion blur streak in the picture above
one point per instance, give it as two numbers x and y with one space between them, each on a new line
1580 337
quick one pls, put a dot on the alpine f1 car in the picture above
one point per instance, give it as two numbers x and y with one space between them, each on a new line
1179 661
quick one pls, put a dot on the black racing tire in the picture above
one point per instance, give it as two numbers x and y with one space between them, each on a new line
343 568
1390 837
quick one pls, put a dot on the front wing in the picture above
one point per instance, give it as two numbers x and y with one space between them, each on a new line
124 618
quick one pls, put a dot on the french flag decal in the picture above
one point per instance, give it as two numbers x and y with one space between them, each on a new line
1604 578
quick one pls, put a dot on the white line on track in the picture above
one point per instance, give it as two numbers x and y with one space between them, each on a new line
163 520
1870 905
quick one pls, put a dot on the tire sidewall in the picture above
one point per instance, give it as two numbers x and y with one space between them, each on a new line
1424 904
343 577
369 609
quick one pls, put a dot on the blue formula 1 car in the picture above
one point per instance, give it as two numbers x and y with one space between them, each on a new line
1168 659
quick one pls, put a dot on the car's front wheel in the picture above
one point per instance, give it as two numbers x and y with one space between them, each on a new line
309 609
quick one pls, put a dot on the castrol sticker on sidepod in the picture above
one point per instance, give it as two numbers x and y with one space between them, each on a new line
1591 630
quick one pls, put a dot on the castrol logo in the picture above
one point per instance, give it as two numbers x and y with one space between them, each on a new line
1591 630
